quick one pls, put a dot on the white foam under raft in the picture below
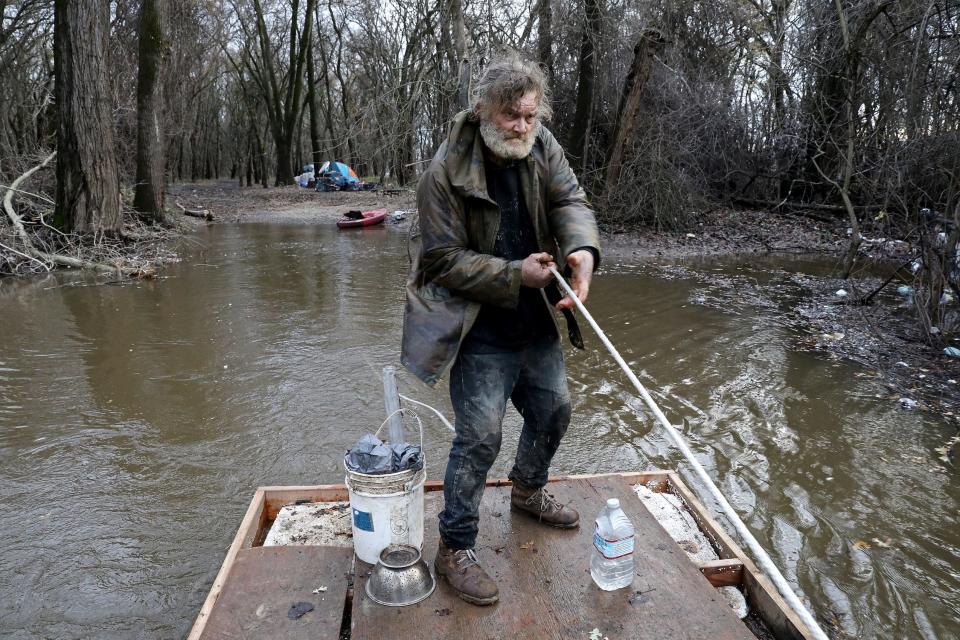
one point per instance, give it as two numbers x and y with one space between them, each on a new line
313 523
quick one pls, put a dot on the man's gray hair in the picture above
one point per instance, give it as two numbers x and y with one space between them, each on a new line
505 80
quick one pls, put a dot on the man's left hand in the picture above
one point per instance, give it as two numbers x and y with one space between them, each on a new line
581 263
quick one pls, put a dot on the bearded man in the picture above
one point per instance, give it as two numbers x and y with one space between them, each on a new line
496 204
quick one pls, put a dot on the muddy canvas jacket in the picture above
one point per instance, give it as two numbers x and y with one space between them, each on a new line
453 271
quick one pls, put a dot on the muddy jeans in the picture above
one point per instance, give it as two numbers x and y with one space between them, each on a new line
480 384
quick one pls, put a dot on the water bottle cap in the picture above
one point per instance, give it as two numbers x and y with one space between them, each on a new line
613 503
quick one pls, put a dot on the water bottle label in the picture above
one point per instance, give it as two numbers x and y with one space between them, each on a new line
612 549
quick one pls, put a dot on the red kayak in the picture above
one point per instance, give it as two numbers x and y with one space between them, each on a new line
369 219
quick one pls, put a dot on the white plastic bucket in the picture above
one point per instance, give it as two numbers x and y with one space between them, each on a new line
386 508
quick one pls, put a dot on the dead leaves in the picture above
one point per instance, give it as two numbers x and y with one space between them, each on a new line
862 545
947 452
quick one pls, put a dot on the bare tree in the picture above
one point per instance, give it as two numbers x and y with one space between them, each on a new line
148 197
88 187
282 91
643 53
545 37
580 127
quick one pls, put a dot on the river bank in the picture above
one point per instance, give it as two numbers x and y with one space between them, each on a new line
717 232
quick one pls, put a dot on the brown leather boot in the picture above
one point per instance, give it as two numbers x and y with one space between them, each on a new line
542 505
463 571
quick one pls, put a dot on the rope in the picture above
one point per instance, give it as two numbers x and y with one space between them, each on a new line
422 404
764 560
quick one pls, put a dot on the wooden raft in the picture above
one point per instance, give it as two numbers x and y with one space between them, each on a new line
545 586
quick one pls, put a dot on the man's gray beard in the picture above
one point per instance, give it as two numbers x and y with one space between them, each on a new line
505 147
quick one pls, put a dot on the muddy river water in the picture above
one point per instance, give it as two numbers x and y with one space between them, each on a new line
136 420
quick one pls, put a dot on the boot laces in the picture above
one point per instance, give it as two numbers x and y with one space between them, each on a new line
466 557
547 501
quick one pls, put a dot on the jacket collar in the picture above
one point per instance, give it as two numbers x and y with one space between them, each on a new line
464 157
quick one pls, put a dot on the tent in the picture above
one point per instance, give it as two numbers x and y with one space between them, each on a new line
334 169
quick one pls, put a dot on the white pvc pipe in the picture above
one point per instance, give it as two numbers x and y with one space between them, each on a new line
766 564
391 401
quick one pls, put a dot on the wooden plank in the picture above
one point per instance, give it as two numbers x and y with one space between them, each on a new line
279 496
249 528
337 492
722 573
723 543
762 596
263 584
764 600
545 585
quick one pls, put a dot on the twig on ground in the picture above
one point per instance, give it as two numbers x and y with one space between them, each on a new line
203 214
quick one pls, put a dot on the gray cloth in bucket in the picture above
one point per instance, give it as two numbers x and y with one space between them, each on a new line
370 455
406 456
373 456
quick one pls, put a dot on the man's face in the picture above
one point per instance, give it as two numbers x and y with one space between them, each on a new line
510 131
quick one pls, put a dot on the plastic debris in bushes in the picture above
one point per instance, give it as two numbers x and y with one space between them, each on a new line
373 456
306 180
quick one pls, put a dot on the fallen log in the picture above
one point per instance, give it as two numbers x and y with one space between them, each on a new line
818 206
42 257
203 214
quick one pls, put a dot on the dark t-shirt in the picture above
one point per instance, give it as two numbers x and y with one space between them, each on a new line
499 328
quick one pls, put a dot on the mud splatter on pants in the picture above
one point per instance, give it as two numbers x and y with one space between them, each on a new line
535 381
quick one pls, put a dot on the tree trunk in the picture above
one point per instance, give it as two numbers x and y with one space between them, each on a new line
328 113
545 37
262 158
151 154
88 185
345 99
315 153
284 170
463 56
637 78
585 86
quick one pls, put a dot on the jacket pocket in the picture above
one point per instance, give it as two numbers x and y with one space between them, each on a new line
431 291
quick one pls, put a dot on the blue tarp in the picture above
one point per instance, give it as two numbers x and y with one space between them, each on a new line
339 169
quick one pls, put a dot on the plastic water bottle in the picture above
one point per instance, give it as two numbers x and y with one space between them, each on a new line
611 563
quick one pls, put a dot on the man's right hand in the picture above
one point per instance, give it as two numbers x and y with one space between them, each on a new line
534 270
